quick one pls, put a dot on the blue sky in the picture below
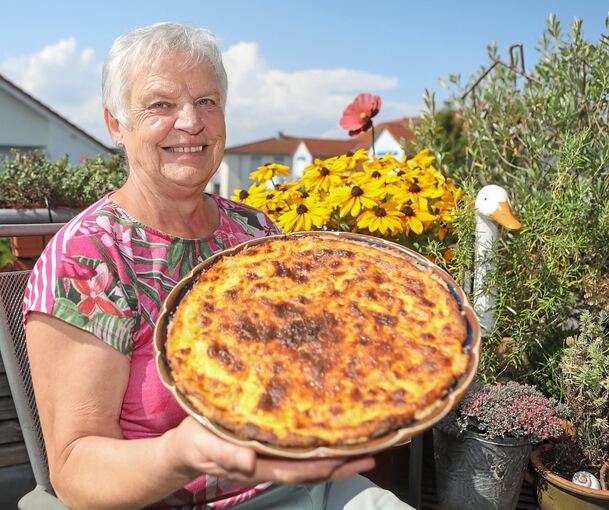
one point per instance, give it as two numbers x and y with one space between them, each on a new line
293 66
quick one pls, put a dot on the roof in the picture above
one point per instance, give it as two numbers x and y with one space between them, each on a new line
397 128
322 147
287 145
18 91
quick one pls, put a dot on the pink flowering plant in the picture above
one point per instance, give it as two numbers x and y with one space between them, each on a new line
509 410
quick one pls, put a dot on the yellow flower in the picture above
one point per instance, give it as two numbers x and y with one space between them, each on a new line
303 216
323 175
384 218
410 189
266 172
352 200
350 160
421 159
414 218
267 200
375 170
243 196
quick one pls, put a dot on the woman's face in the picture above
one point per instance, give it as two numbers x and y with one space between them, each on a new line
177 131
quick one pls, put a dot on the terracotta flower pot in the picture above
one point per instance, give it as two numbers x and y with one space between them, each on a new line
557 493
28 246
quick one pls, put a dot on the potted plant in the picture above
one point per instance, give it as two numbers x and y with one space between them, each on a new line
34 190
481 449
573 472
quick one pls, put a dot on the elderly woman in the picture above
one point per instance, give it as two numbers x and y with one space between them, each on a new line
115 437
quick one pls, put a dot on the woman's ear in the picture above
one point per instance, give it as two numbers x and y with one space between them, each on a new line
113 128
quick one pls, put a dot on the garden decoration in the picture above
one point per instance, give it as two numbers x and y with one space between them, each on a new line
586 479
492 209
482 448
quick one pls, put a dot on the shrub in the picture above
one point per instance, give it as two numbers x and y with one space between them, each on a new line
585 378
509 410
30 180
545 138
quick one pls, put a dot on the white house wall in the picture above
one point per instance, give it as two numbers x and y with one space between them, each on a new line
302 158
26 125
238 167
20 126
64 140
385 143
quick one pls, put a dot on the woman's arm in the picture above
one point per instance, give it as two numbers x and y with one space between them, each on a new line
79 383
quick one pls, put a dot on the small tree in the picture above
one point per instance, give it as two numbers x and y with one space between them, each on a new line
544 136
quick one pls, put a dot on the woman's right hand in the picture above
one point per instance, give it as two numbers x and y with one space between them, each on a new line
198 451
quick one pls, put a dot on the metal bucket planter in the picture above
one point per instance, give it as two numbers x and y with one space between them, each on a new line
474 472
557 493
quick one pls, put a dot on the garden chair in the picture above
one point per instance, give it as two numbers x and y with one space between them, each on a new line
14 355
16 363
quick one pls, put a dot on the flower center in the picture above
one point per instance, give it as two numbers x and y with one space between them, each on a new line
304 194
243 194
380 212
363 116
408 211
270 196
356 191
376 174
414 188
301 209
324 171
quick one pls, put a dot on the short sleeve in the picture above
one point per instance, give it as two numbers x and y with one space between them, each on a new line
86 284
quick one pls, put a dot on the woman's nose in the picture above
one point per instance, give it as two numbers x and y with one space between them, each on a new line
189 119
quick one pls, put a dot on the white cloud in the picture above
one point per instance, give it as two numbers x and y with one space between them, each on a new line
261 100
66 79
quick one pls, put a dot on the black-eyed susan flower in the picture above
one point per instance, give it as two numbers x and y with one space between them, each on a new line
323 175
352 199
266 200
304 216
412 190
266 172
383 218
243 195
415 219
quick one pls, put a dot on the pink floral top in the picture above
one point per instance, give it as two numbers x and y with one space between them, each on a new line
108 274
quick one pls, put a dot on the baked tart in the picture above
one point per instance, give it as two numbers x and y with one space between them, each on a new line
309 340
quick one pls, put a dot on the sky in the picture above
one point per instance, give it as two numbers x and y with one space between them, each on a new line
293 66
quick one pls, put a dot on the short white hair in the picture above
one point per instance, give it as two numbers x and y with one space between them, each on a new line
145 46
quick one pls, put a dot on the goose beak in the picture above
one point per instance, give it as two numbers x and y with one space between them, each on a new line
503 215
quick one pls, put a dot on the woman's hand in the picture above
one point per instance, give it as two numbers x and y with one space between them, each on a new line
196 450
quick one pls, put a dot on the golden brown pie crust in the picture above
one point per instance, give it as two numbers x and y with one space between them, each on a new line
312 341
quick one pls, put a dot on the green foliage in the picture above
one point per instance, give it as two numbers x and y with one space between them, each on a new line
6 256
544 136
584 369
30 180
509 410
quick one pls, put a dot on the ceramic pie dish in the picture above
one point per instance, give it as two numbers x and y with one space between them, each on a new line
423 420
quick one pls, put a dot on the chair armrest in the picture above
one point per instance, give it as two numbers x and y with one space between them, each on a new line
39 498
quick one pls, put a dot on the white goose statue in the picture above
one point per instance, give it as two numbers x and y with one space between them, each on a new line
492 209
